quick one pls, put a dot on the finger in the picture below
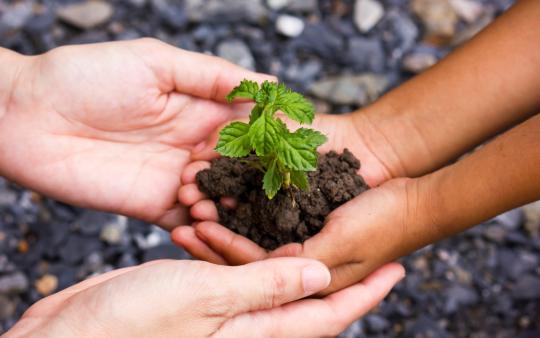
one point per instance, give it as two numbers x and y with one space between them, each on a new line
185 237
228 202
190 171
205 210
190 194
273 282
234 248
318 317
201 75
172 218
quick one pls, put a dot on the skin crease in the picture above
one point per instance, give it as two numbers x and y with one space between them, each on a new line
485 87
111 126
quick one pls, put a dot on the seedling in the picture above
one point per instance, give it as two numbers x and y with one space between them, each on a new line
284 156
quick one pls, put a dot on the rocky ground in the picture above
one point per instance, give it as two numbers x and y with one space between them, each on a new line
345 53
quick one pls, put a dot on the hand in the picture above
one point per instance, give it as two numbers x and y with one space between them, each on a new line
217 244
198 299
110 126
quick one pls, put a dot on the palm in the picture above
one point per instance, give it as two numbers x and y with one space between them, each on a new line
113 129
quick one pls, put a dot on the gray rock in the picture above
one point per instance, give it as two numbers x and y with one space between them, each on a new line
527 287
225 10
303 73
355 330
7 197
299 6
7 308
496 233
466 34
305 6
16 15
366 54
468 10
172 12
350 89
367 13
13 283
400 35
376 323
532 219
458 296
289 25
87 14
510 220
237 52
438 17
418 62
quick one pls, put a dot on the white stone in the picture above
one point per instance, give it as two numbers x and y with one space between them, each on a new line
289 25
277 4
367 13
468 10
86 15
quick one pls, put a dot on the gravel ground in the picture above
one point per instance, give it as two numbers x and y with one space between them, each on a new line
482 283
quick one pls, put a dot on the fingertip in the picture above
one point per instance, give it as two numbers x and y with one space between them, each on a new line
190 171
205 210
190 194
184 236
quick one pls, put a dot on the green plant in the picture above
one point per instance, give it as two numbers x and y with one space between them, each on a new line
284 156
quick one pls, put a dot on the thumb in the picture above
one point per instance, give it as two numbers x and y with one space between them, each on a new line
273 282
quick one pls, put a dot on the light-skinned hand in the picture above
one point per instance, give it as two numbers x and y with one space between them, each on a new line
110 126
198 299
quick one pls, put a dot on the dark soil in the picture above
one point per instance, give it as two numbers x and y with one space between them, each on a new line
292 215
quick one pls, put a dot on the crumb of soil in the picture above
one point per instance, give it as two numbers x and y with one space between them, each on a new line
292 215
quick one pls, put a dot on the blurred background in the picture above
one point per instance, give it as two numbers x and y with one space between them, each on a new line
344 54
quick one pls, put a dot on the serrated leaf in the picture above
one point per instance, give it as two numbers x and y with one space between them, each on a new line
247 89
272 180
264 134
234 140
295 154
300 179
311 137
294 105
255 113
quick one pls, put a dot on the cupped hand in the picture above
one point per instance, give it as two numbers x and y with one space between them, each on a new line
198 299
342 131
110 126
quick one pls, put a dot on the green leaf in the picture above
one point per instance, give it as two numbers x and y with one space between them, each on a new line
296 154
247 89
294 105
255 113
311 137
272 180
264 134
234 140
300 179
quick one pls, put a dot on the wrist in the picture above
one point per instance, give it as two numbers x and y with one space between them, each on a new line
391 133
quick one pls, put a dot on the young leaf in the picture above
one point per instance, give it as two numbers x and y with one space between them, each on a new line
299 179
234 140
272 180
294 105
311 137
264 134
295 154
247 89
255 113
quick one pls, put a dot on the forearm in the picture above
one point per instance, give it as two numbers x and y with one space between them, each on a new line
481 89
498 177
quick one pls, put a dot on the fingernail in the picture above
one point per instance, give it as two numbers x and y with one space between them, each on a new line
315 278
199 147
